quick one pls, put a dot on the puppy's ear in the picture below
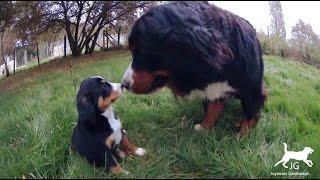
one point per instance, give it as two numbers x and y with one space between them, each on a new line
206 43
86 111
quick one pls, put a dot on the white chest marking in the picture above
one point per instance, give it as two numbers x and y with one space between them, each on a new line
115 124
213 91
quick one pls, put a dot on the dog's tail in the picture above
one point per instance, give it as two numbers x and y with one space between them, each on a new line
285 147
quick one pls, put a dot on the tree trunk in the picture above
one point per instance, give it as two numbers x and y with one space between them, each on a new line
86 51
4 60
73 44
94 42
103 39
107 39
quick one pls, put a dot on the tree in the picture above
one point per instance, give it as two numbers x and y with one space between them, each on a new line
278 44
81 20
277 21
305 41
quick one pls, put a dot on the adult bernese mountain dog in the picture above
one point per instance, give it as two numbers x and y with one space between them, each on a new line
196 47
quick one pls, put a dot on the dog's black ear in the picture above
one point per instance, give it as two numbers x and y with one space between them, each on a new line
86 111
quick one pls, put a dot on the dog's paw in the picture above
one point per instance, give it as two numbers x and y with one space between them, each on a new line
198 127
140 151
121 154
126 173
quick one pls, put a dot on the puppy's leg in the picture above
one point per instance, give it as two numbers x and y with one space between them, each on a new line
129 147
120 153
114 166
111 161
213 110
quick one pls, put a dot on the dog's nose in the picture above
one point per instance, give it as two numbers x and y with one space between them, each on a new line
125 84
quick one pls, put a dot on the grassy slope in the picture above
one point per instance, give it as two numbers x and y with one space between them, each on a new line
37 121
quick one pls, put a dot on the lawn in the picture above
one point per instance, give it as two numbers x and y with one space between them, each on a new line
38 115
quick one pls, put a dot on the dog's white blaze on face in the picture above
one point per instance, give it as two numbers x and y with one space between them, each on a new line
117 87
127 77
213 91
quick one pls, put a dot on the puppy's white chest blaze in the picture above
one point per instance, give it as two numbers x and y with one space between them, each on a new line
115 124
213 91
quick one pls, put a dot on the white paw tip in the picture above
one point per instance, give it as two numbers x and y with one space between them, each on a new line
126 172
140 151
198 127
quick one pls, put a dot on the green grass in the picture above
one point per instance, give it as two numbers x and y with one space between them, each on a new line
37 122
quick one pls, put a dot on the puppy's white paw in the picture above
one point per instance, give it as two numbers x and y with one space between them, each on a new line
198 127
140 151
126 172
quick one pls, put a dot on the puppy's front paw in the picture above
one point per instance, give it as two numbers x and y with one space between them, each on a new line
140 151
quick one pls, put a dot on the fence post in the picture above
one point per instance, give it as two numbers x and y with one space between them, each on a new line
14 60
103 39
119 35
65 46
38 53
25 56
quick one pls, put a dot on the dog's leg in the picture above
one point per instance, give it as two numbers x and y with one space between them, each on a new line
112 163
278 163
264 92
251 106
213 110
284 164
120 153
246 125
109 142
114 166
308 162
128 147
205 105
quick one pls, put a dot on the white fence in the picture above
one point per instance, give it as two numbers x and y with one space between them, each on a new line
47 51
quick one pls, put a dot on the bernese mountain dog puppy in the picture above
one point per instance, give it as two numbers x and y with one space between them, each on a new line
198 48
98 135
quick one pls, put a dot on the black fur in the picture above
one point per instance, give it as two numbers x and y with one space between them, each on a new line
200 44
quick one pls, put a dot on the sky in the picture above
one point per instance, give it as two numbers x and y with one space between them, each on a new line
258 13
